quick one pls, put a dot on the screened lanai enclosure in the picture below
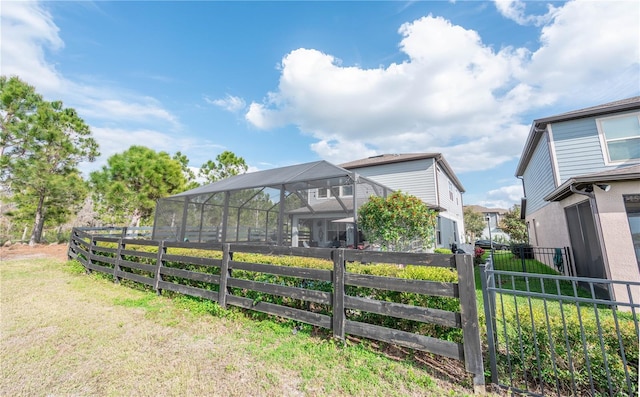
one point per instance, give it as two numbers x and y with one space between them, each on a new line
311 204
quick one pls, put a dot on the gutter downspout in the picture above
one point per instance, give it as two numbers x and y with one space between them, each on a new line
596 220
523 215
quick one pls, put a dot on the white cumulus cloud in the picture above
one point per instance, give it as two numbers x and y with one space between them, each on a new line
456 94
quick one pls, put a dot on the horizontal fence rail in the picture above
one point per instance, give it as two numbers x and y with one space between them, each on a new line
554 335
333 298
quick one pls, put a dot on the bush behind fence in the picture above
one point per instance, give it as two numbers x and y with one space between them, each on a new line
425 301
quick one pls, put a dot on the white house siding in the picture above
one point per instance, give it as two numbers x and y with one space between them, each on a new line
623 264
538 177
413 177
578 149
418 178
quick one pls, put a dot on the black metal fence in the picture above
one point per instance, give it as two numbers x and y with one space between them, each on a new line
552 335
527 259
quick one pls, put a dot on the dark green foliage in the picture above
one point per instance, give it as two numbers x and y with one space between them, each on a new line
41 145
558 348
126 190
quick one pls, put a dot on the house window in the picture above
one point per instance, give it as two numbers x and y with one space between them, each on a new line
621 137
347 190
323 192
450 191
632 206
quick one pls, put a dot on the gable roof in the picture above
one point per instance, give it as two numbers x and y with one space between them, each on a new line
405 157
538 127
295 177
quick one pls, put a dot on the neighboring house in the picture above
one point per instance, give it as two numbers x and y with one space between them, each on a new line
492 226
427 176
581 177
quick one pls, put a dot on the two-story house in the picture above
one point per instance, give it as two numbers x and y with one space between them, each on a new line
492 217
581 177
427 176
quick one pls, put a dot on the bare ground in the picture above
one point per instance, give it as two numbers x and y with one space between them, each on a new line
24 251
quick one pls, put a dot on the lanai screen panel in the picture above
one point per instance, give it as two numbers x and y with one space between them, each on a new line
254 206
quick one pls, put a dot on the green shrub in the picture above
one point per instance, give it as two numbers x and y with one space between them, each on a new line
548 348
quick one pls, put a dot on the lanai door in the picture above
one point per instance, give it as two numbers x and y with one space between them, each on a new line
584 242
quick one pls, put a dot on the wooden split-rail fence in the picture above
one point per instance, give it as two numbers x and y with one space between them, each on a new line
124 259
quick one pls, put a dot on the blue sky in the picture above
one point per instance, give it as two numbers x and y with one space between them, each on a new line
281 83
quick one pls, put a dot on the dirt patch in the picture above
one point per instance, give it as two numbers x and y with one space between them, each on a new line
24 251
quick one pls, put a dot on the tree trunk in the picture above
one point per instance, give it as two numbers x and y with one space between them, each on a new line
38 225
135 218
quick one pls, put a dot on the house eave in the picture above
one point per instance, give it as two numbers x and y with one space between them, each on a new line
563 191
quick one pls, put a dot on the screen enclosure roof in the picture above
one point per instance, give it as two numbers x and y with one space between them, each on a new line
318 174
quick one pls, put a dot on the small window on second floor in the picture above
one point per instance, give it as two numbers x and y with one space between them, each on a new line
621 136
347 190
323 192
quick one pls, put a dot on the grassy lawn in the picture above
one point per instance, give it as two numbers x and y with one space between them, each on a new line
65 333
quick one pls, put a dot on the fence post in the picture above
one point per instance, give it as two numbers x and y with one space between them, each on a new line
225 273
489 309
470 324
162 250
522 259
116 264
339 317
92 243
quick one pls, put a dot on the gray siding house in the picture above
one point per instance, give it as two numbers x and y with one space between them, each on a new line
427 176
581 177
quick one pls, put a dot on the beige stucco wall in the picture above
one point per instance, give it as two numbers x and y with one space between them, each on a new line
548 227
616 233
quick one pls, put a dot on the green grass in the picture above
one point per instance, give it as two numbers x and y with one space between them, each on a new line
66 333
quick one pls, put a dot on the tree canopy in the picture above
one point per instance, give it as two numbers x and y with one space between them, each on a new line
126 189
515 227
397 221
474 224
42 144
227 164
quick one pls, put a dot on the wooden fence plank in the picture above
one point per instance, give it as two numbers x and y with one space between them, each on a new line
137 278
197 246
282 290
98 268
192 260
407 312
320 253
159 264
140 254
299 272
190 275
407 339
138 266
189 290
135 241
225 273
339 315
434 288
104 259
405 258
469 313
320 320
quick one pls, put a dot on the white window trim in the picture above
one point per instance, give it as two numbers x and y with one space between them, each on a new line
603 139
